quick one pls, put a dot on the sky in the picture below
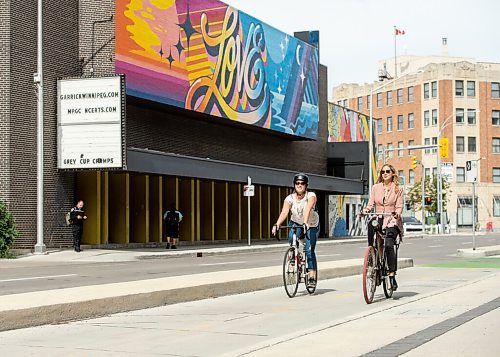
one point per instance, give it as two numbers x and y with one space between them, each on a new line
356 34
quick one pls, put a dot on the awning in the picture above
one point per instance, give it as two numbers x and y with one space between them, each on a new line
160 163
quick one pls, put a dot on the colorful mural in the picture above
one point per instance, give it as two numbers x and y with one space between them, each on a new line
206 56
346 125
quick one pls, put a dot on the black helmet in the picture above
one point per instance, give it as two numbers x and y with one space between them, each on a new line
301 177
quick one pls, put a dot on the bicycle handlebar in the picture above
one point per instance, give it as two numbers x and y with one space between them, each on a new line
290 227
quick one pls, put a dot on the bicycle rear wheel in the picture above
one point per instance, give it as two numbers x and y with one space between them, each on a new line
369 275
290 272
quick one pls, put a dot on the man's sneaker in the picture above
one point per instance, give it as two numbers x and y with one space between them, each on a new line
174 246
168 246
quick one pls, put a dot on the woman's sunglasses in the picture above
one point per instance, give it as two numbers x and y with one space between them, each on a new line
301 183
385 172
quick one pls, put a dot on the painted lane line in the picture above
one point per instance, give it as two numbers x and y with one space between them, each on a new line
38 277
209 264
435 246
328 255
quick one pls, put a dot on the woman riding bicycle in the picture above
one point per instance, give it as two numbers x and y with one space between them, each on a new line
301 204
387 197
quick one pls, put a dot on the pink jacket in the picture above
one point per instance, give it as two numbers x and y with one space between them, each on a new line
392 203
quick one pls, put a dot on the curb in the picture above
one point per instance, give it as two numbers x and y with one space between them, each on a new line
23 317
479 252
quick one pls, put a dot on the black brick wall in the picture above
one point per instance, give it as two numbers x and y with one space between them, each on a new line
67 53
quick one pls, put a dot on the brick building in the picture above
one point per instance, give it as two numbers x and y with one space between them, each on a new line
458 97
171 154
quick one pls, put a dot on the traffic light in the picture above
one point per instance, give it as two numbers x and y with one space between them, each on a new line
428 201
414 162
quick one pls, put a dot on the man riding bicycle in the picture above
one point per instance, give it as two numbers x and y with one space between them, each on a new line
301 204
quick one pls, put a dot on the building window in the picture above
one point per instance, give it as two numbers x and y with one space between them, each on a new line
434 89
434 142
360 104
400 122
427 172
379 126
471 89
460 174
434 116
471 144
434 171
426 90
460 142
389 97
379 100
496 145
400 148
345 104
495 90
389 150
426 118
400 95
471 116
389 124
459 88
427 141
496 206
459 115
411 121
368 101
410 144
401 177
380 149
339 102
411 177
496 174
495 117
410 94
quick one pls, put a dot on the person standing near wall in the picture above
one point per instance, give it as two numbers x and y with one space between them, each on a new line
172 218
77 215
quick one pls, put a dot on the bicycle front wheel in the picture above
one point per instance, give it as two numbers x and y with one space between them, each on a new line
369 275
290 272
386 281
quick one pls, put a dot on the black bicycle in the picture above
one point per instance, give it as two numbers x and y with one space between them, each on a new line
375 268
295 267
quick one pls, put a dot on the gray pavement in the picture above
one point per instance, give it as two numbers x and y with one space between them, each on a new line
333 321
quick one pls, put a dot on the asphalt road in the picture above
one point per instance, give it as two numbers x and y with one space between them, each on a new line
20 275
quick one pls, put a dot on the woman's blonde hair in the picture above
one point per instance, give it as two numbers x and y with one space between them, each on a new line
395 177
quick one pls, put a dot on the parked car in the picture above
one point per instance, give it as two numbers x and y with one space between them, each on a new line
412 224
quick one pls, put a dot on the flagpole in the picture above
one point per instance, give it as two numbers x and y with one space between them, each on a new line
395 63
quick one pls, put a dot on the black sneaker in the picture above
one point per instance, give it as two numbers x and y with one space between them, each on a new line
394 283
311 282
168 246
174 246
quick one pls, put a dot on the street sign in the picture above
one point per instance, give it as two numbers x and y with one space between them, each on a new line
443 148
447 171
248 190
471 171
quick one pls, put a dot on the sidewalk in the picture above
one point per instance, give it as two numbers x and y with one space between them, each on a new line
59 305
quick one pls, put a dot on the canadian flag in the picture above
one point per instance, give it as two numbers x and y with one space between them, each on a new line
399 32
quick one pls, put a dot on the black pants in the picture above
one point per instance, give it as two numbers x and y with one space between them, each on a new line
77 235
390 241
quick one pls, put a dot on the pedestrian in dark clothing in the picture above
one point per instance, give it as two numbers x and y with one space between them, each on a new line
172 218
77 215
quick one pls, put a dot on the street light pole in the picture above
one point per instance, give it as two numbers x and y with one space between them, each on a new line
38 79
439 179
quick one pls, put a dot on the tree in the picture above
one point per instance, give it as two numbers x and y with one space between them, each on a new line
8 231
430 190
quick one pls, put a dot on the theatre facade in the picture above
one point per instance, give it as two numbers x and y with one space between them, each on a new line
152 103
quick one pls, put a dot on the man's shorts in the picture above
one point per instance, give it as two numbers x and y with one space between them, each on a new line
173 231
